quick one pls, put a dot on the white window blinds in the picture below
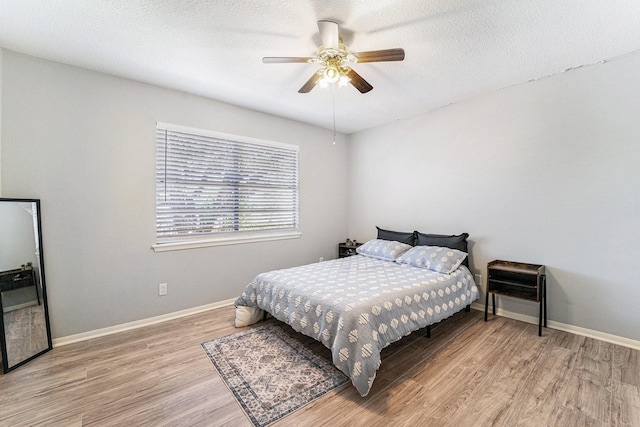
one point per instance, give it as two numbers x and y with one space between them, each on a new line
209 184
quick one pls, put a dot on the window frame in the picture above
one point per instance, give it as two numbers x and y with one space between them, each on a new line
230 237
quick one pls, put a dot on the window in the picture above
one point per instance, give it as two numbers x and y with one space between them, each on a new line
213 189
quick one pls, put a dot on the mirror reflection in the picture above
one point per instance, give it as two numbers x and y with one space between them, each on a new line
24 329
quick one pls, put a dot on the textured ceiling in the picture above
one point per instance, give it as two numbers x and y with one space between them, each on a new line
455 49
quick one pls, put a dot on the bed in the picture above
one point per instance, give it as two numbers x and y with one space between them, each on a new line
358 305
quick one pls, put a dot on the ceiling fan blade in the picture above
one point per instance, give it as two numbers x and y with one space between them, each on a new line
328 34
381 55
358 82
286 59
310 84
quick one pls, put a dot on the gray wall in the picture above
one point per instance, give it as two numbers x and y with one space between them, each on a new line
1 55
17 236
17 248
84 143
542 172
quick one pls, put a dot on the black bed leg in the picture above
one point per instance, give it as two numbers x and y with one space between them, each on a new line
429 331
468 308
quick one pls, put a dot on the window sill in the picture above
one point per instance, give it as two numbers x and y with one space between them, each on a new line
223 241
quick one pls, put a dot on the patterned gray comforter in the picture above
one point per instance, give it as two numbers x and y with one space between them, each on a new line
358 305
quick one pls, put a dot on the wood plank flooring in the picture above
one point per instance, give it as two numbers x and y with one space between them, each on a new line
470 373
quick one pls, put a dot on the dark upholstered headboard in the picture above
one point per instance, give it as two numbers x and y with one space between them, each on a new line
417 238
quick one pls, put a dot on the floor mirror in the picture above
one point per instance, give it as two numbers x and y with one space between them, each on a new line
24 329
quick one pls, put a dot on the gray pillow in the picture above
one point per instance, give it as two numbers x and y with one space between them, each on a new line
387 250
458 242
435 258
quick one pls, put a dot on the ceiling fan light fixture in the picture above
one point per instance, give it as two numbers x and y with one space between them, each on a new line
331 74
333 57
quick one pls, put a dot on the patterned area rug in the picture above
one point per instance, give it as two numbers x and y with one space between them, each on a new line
270 373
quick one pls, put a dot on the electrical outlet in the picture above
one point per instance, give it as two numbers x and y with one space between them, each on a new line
478 278
321 259
162 289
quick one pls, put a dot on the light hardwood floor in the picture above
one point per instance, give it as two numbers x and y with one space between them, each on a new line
470 373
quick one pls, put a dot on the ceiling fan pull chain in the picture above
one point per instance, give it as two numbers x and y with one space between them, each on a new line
333 94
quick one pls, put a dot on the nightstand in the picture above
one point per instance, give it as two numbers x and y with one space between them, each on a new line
345 250
517 280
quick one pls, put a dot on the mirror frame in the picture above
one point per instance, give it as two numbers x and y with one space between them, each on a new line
5 363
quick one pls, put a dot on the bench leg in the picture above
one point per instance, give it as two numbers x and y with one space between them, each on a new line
486 306
544 296
540 320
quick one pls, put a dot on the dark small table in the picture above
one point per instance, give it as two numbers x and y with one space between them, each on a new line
345 250
517 280
18 278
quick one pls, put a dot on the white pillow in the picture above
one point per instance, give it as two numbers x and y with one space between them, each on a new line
435 258
387 250
246 316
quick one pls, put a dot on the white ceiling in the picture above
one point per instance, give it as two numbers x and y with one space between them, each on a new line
455 49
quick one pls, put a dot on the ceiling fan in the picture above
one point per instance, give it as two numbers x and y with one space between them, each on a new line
335 58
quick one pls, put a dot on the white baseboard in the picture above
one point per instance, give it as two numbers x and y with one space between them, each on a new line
614 339
57 342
